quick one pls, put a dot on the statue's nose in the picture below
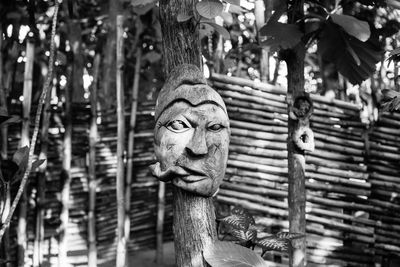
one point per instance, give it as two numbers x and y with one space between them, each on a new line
197 145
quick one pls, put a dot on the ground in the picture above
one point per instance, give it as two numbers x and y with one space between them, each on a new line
146 258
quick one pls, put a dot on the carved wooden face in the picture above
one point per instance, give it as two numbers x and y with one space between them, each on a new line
191 145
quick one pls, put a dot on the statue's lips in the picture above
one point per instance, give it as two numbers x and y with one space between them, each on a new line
192 175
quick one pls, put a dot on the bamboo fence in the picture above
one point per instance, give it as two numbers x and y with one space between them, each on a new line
353 209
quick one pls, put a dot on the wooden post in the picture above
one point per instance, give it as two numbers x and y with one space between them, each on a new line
66 174
296 158
41 184
194 217
26 110
93 135
121 247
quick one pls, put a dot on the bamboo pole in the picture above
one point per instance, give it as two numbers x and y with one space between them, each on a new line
160 222
93 137
131 141
26 110
5 245
41 185
121 243
66 173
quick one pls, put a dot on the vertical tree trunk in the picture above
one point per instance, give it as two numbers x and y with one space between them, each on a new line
261 18
27 94
93 135
296 159
194 217
66 174
41 184
121 247
108 81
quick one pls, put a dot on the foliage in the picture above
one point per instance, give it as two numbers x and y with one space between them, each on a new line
227 254
240 225
391 100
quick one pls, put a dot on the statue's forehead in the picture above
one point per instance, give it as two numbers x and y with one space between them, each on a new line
192 94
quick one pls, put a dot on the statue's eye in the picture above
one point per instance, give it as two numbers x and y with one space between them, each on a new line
216 127
177 126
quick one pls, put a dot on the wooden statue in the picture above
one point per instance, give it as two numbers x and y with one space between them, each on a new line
191 133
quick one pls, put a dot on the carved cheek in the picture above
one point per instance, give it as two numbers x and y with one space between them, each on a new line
171 146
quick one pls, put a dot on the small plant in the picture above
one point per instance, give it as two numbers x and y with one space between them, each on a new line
240 225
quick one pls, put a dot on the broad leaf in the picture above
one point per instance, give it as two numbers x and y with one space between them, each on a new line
353 58
221 30
393 3
355 27
183 17
280 35
209 8
227 254
244 213
243 236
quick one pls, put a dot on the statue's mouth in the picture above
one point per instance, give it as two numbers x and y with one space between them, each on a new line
193 175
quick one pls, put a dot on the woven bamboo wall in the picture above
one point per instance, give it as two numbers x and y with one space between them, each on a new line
353 209
350 214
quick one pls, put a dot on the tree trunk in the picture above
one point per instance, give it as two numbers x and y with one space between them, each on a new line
121 247
296 158
194 217
27 94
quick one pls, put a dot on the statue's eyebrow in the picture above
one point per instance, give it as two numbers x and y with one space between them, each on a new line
190 104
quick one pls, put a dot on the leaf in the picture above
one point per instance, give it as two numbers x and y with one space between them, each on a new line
235 9
37 163
355 27
394 55
183 17
227 254
333 47
9 119
393 3
233 2
391 100
243 235
221 30
136 3
21 156
209 8
289 236
280 35
227 17
8 168
152 57
273 243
